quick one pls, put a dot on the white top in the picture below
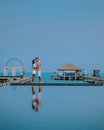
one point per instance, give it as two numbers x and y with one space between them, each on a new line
34 65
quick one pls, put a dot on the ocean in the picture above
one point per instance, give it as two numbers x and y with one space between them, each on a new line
62 107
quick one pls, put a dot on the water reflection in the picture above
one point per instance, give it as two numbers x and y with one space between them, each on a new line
36 98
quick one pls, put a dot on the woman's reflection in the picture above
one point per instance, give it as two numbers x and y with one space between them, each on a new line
36 98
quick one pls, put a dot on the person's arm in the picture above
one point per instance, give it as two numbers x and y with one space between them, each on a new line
39 65
35 66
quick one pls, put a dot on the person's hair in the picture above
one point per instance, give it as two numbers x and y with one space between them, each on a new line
34 108
36 58
32 62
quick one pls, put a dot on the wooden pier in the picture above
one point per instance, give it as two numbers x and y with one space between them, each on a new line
8 80
93 79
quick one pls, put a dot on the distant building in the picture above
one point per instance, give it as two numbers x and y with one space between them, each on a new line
67 72
96 72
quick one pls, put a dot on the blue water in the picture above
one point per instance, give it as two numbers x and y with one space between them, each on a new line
62 108
47 77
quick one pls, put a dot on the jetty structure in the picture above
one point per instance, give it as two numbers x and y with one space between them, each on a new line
95 77
67 72
10 73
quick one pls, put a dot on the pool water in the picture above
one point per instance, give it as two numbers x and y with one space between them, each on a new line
62 108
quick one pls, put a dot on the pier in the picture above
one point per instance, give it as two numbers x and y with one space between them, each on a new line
93 79
67 72
8 80
26 81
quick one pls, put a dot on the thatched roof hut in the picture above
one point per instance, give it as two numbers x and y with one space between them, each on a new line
69 71
69 67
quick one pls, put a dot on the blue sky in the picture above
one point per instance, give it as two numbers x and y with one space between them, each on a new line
57 31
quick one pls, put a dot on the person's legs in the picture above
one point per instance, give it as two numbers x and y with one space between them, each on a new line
40 78
40 88
39 75
33 75
33 91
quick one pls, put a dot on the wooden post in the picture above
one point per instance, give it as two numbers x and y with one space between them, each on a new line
5 71
13 68
13 71
75 75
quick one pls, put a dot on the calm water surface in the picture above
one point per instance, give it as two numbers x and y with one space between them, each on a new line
62 108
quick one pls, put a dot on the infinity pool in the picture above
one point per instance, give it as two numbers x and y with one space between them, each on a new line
62 108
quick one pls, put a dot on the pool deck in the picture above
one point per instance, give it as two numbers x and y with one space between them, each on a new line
49 84
56 84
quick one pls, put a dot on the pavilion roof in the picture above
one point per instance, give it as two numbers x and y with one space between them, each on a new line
69 67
